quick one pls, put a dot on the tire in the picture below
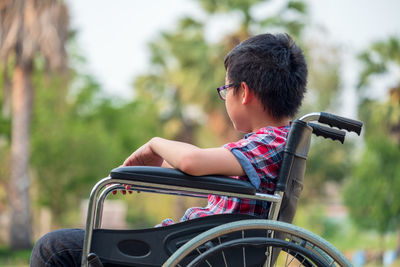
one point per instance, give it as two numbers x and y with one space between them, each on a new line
247 242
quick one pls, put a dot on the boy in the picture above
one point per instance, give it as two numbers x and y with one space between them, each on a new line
264 86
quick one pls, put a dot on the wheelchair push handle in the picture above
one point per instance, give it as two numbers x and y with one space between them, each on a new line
326 132
341 122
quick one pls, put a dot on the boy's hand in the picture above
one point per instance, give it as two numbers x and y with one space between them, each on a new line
144 156
128 189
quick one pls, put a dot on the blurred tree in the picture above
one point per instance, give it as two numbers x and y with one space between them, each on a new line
27 29
79 136
372 193
324 88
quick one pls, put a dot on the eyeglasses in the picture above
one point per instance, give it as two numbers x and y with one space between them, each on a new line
223 90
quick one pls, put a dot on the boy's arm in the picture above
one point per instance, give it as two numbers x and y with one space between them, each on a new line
187 158
166 165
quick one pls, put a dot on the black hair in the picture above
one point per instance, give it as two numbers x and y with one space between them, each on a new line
274 67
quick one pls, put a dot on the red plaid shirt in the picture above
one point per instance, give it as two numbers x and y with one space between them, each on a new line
260 154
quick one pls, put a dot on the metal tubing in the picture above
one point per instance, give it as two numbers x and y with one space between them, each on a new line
275 206
100 203
159 188
90 218
311 117
273 215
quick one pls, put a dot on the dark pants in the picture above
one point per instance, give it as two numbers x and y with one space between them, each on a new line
59 248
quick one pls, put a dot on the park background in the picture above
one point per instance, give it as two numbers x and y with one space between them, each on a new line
104 77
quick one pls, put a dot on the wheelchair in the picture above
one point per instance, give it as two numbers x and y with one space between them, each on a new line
224 239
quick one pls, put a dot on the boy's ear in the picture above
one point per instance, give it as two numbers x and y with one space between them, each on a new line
246 93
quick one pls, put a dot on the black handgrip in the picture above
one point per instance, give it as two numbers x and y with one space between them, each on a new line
94 261
341 122
327 132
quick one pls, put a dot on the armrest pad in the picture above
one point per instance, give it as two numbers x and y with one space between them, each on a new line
166 176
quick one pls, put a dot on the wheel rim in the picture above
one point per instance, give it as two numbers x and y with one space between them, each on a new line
299 256
292 233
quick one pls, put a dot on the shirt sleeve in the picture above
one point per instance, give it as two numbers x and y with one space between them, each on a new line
237 150
259 155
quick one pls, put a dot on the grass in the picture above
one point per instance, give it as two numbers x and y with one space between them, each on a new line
10 258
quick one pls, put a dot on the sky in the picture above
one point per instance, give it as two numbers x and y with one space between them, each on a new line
113 35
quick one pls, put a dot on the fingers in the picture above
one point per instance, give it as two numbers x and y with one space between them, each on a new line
127 189
114 191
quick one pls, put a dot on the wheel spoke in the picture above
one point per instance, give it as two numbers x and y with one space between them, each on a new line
287 257
243 252
293 257
302 262
223 253
198 250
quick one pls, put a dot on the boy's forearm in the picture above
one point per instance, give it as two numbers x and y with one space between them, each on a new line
166 165
194 160
173 152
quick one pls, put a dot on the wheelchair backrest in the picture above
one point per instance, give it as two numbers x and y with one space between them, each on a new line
290 179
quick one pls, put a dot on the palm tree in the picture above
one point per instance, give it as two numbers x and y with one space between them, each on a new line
28 29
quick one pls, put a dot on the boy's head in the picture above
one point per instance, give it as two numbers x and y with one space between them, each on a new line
272 66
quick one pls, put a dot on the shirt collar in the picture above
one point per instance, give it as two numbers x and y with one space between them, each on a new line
267 129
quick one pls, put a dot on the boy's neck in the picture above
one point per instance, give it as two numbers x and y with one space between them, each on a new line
260 122
254 115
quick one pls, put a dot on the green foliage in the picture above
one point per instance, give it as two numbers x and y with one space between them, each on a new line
183 78
324 88
10 258
185 63
312 217
377 59
372 193
298 5
78 138
5 123
340 232
324 83
291 16
214 6
328 161
5 128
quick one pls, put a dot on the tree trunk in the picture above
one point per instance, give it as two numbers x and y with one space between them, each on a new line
22 98
6 110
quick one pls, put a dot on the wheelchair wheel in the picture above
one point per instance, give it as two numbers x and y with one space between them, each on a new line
257 243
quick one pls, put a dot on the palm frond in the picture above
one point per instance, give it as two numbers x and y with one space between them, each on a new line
28 28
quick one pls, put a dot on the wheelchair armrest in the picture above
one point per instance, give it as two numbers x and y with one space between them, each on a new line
166 176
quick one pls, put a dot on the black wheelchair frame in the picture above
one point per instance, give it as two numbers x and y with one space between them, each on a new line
196 242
